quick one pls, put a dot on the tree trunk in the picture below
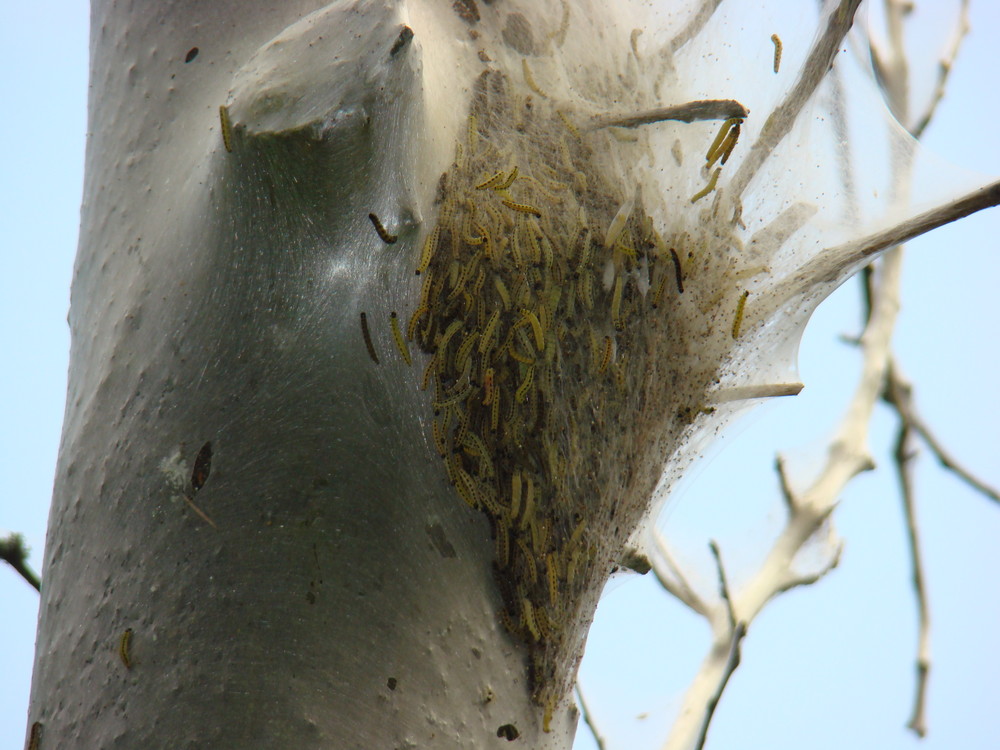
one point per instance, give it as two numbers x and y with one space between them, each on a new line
252 542
258 536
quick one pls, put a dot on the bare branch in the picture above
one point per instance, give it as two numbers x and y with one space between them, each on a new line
674 582
722 660
14 553
751 392
894 70
739 632
707 109
793 580
903 456
588 718
723 583
899 394
944 70
809 511
787 494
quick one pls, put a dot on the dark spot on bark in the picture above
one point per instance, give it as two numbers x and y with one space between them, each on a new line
202 467
508 732
391 683
517 34
466 10
311 597
191 55
439 540
401 41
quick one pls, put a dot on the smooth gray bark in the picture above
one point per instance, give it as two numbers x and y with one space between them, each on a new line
339 597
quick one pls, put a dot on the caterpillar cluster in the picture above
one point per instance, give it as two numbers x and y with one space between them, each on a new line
540 285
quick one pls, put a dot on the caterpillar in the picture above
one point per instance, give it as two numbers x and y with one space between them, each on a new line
368 338
439 438
493 181
709 187
678 271
523 208
528 560
381 231
462 355
503 545
530 79
724 141
552 574
488 387
659 292
605 356
528 618
616 304
124 644
411 327
495 411
450 331
227 128
617 225
529 503
397 334
522 391
486 340
515 494
738 320
528 317
428 249
508 182
502 291
730 143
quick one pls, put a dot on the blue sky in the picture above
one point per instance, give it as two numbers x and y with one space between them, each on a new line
830 666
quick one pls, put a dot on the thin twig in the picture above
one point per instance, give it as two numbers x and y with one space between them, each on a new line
894 69
944 70
676 584
723 583
899 395
903 456
787 494
739 632
588 718
753 392
949 463
15 553
893 72
705 109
